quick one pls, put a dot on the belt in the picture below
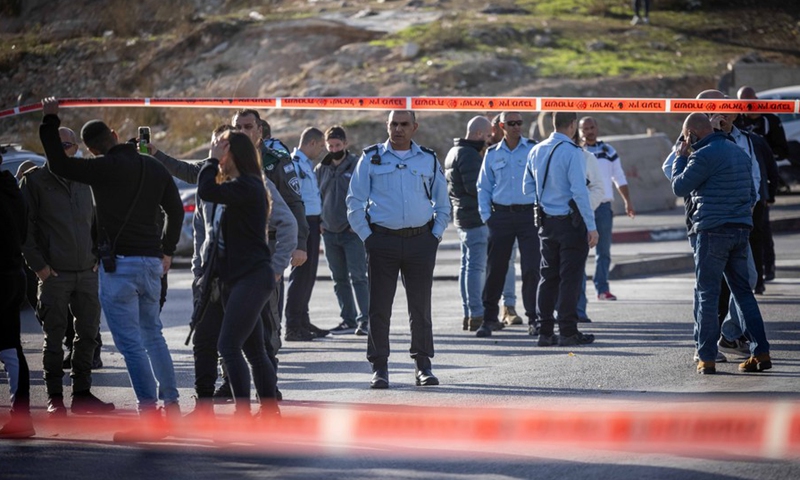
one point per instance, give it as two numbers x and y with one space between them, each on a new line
496 207
557 217
403 232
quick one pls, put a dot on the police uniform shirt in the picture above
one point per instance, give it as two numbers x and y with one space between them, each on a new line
566 179
397 190
500 178
309 188
610 168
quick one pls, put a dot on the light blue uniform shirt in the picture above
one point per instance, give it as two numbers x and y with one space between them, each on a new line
742 141
566 179
309 188
500 178
403 191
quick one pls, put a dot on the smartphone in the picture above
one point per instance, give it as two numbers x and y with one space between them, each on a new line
144 139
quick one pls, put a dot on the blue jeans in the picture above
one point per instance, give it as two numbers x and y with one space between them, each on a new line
472 276
129 298
722 252
604 220
510 286
347 260
582 301
731 326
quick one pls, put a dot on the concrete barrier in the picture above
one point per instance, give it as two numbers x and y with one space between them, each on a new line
642 156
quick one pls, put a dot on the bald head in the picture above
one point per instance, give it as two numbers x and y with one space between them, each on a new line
747 93
711 94
69 140
479 128
696 127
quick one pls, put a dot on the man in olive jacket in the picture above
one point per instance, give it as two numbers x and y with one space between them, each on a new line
59 249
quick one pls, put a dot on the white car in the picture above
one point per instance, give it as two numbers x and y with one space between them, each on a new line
791 121
14 156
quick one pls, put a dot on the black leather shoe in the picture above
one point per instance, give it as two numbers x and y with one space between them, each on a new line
577 339
318 332
380 378
487 328
298 335
426 378
547 340
85 403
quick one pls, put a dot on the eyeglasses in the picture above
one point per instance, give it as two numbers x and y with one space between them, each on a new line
514 123
66 145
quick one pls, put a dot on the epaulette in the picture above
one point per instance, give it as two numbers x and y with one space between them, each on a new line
428 150
371 147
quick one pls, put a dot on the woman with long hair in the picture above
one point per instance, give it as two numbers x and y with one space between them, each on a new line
232 178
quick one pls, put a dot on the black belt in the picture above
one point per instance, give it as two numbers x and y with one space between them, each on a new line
557 217
403 232
496 207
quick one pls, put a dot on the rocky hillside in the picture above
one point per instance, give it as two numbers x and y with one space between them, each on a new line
239 48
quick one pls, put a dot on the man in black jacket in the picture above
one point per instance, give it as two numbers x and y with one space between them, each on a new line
127 216
462 166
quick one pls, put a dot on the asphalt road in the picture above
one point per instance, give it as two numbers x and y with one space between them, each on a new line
642 358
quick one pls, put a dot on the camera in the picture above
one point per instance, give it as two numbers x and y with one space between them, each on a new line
144 139
106 253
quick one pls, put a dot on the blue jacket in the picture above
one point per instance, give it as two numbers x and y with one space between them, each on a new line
718 178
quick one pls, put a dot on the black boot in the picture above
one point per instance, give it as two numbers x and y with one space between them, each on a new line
423 373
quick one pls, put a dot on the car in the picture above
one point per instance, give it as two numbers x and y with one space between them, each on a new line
14 156
788 168
188 194
791 121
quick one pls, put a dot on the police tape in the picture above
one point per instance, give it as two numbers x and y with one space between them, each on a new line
474 104
757 429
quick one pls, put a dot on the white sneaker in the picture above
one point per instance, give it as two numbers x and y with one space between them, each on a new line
635 20
720 357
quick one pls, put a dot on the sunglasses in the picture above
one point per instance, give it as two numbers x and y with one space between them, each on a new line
514 123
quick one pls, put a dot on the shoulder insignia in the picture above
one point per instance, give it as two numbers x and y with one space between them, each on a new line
428 150
371 148
288 168
294 183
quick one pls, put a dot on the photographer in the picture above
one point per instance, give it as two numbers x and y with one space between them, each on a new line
132 251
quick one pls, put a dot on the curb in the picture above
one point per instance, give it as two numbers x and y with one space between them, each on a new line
779 225
647 267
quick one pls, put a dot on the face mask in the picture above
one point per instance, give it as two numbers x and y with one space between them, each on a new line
336 155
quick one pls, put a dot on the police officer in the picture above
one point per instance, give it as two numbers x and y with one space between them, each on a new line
508 212
398 205
556 176
303 277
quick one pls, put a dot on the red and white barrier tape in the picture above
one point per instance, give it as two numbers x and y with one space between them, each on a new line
716 429
475 104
